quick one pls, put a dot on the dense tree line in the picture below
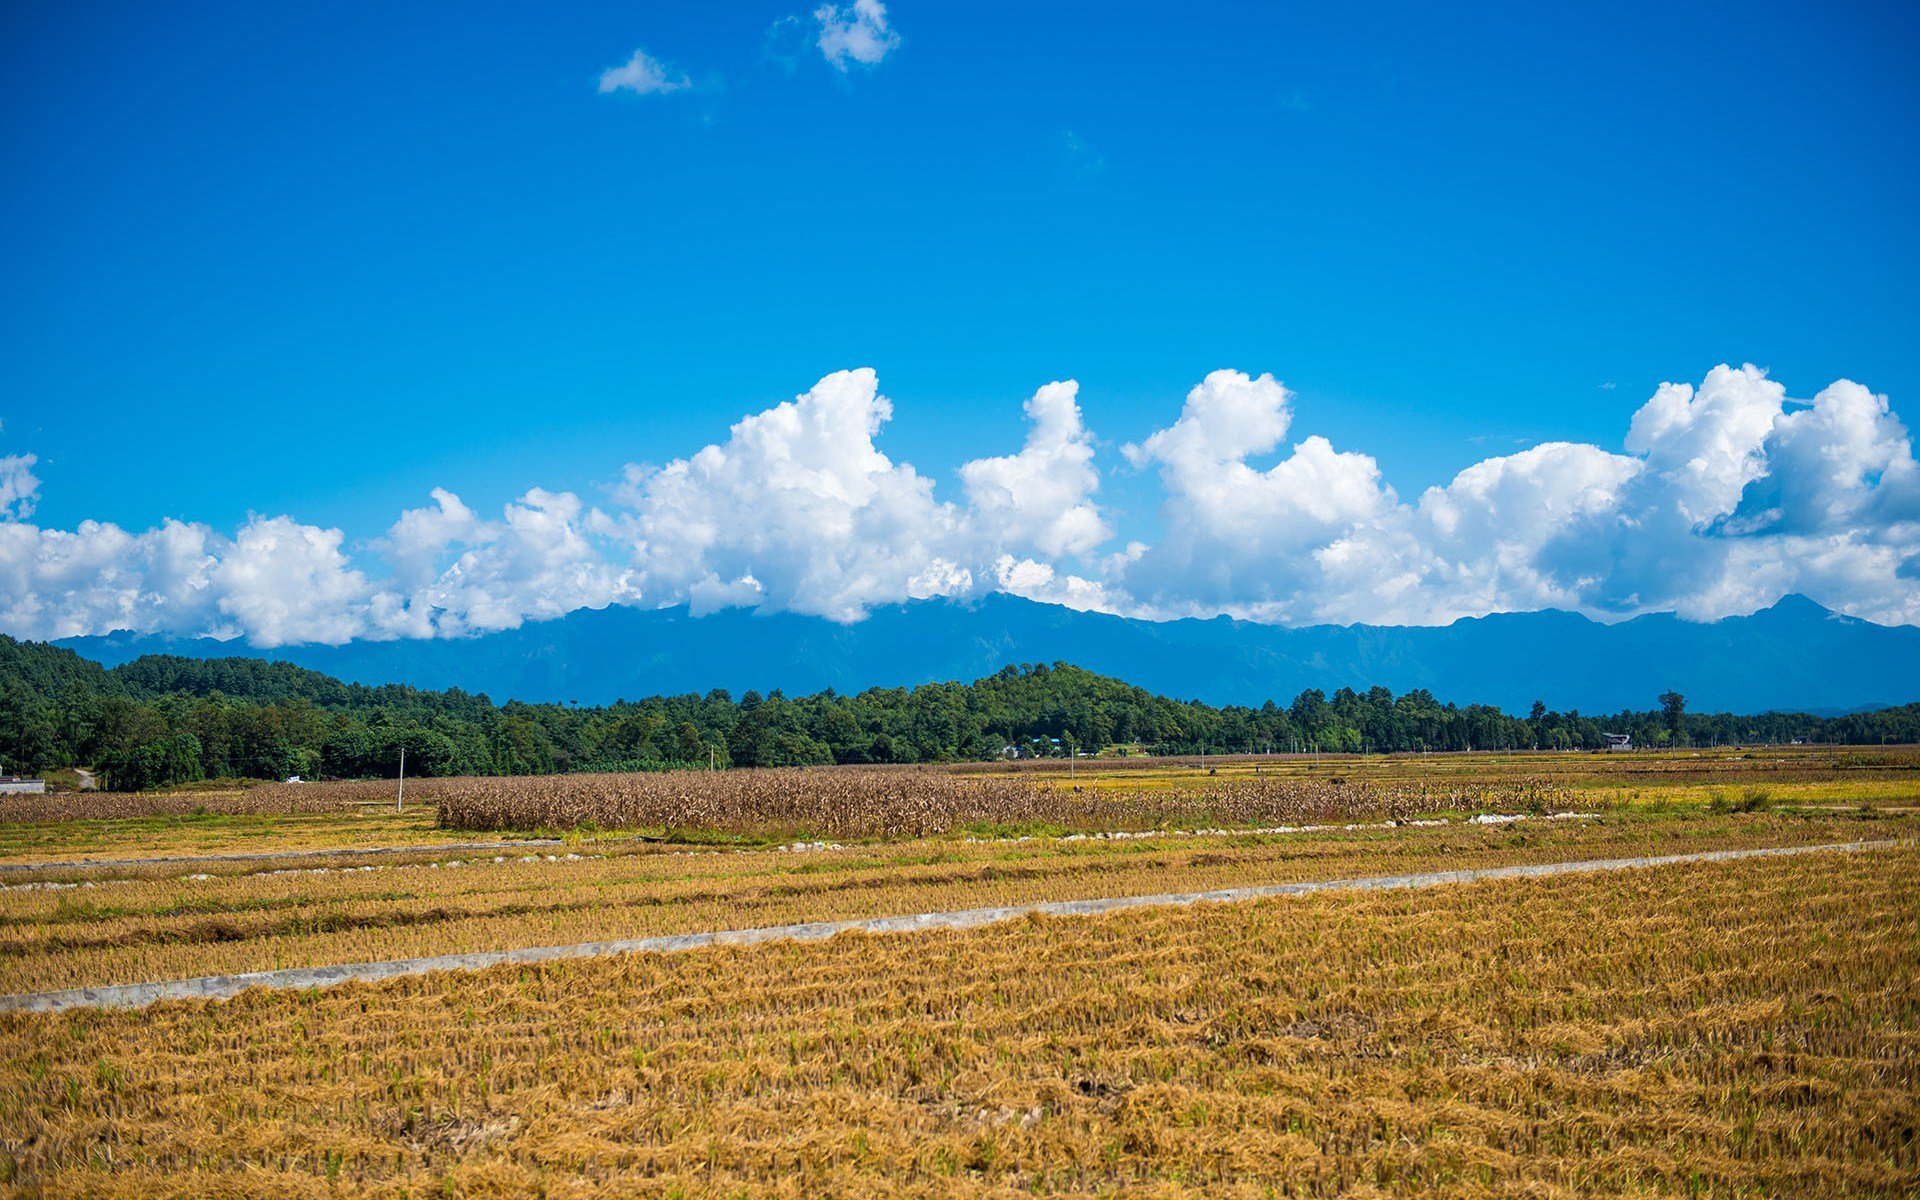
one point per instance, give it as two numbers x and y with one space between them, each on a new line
163 720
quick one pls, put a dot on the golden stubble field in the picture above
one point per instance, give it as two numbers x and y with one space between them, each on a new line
1729 1029
195 921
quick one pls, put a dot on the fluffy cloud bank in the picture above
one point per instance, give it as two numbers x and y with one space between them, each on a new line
1726 496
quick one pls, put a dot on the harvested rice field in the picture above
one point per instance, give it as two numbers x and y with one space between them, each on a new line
1732 1028
108 928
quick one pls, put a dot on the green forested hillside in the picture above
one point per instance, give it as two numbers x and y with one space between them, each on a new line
161 720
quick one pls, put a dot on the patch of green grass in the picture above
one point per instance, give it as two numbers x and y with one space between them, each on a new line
1750 800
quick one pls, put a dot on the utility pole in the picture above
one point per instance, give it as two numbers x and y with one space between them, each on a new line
400 797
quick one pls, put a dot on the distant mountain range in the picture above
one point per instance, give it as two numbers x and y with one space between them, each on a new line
1795 655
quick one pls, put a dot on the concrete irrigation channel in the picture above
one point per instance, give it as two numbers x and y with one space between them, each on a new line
221 987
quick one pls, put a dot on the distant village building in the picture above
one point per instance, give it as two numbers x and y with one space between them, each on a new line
16 786
1618 741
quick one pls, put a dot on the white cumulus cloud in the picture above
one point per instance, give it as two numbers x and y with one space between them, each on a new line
19 487
1843 462
797 510
1707 445
855 33
643 75
1474 546
279 581
460 574
275 581
1240 539
1041 498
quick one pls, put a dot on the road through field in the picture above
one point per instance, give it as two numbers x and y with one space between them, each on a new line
213 987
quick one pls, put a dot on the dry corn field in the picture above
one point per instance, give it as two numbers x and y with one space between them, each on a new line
1730 1029
903 803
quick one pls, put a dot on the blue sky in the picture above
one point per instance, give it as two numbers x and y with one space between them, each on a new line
319 260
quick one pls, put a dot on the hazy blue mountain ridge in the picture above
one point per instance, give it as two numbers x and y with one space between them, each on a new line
1794 655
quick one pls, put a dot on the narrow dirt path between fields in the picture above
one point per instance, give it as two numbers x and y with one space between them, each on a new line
220 987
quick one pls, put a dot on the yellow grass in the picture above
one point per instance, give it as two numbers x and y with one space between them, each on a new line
1740 1029
1641 770
214 832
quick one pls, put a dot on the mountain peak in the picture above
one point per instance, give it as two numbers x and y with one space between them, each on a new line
1794 604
